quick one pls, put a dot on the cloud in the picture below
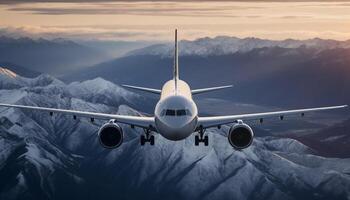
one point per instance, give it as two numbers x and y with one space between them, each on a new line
85 32
172 8
141 8
98 1
155 20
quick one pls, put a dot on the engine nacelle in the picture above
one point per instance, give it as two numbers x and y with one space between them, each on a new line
240 136
110 135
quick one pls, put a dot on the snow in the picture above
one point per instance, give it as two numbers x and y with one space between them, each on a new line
333 138
7 72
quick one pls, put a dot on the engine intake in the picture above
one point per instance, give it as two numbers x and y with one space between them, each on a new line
240 136
110 135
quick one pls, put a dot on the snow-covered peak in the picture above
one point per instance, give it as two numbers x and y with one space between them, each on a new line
97 86
99 90
7 72
44 80
10 80
126 110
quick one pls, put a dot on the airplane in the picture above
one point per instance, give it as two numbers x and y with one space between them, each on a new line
175 116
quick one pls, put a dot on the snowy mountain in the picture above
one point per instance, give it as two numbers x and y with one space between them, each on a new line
223 45
22 71
57 157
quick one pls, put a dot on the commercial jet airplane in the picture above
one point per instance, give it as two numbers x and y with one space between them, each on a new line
175 116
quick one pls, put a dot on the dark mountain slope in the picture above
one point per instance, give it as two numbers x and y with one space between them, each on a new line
331 142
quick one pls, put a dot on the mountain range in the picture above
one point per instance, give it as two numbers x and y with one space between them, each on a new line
223 45
43 157
57 157
59 56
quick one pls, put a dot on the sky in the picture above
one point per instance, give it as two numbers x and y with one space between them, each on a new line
155 20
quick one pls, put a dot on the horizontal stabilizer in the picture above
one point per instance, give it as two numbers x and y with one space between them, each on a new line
149 90
199 91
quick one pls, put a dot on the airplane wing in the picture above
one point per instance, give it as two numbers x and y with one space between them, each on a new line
207 122
143 122
204 90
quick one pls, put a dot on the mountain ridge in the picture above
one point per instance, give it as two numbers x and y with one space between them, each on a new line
223 45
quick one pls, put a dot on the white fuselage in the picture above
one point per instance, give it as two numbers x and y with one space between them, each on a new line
176 113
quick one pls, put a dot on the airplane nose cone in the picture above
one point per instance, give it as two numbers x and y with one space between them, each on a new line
176 129
176 117
176 123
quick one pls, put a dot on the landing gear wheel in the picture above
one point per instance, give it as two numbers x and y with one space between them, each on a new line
201 138
147 137
206 140
196 140
143 140
151 140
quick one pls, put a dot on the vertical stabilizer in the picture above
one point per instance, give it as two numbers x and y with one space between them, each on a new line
176 60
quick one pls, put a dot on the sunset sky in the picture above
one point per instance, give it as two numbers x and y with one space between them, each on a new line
155 20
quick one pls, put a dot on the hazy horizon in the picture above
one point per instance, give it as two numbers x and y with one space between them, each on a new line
156 20
170 40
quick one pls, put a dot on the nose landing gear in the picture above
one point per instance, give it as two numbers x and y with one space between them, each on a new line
201 137
147 137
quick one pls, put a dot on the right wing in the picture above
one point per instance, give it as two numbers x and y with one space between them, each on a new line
150 90
143 122
207 122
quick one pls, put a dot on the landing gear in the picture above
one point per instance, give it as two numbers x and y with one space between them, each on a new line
201 137
147 137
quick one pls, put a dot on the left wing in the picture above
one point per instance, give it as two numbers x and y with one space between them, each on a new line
143 122
207 122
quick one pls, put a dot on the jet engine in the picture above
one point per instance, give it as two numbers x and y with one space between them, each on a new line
110 135
240 136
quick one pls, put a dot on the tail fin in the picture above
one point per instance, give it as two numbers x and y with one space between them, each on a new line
176 60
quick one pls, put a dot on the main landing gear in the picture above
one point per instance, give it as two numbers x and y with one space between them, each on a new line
201 137
147 137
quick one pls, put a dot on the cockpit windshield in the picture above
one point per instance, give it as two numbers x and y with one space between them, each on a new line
170 112
180 112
